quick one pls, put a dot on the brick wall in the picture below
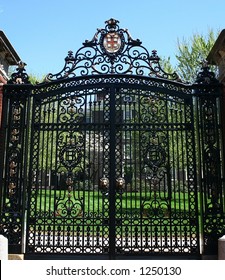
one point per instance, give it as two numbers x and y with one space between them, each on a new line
1 128
1 97
2 82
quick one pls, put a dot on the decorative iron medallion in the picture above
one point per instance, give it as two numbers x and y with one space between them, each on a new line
112 42
71 154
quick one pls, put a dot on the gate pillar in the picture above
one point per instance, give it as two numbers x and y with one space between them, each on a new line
210 171
217 57
15 157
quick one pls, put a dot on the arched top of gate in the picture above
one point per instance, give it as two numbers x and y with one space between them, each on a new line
112 51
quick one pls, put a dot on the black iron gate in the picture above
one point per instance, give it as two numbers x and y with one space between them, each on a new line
116 183
112 157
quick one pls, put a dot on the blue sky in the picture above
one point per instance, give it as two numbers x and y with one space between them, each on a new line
42 32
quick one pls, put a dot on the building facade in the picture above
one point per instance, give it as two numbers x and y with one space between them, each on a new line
8 57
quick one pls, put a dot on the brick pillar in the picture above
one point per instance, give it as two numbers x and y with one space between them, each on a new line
1 128
1 98
2 82
223 110
217 57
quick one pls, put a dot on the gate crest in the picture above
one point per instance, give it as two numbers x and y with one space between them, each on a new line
112 50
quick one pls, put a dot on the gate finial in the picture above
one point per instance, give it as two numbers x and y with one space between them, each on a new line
112 22
205 76
20 76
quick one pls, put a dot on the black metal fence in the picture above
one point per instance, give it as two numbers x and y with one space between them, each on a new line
112 157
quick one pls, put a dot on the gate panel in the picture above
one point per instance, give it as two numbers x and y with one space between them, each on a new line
211 155
13 169
156 194
113 172
68 205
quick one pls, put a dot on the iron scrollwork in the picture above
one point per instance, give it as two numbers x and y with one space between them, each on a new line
15 149
212 193
20 76
205 76
68 205
71 152
12 210
112 51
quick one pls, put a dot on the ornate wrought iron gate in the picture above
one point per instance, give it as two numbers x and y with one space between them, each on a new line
112 156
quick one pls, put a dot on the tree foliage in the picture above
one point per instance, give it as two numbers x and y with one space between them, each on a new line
191 52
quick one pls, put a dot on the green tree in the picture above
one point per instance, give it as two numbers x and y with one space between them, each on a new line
191 52
34 79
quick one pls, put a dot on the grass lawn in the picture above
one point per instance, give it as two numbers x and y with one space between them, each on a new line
136 213
95 201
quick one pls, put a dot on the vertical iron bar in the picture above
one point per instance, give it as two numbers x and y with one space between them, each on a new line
112 173
6 115
27 155
169 178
